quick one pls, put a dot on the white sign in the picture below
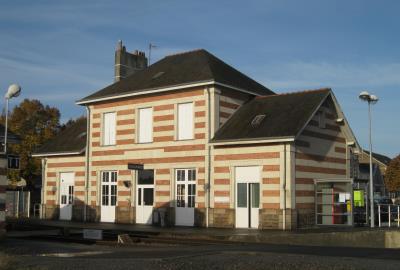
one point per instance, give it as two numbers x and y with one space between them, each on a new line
92 234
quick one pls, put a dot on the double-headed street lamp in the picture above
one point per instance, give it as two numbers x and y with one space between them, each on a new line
13 91
371 99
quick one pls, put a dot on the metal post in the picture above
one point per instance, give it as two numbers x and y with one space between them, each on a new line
5 132
398 216
379 215
371 180
389 213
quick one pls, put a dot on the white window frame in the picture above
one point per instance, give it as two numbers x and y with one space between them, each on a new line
140 130
183 136
112 131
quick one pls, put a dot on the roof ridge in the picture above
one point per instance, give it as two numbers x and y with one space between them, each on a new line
297 92
184 52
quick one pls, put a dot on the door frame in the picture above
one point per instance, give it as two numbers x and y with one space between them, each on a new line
137 186
189 210
70 205
102 218
239 177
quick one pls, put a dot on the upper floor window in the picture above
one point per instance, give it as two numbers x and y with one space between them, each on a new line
185 121
109 127
145 133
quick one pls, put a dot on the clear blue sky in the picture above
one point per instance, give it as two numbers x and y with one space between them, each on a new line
60 51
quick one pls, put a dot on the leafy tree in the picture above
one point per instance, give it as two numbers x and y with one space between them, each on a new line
71 121
392 175
34 123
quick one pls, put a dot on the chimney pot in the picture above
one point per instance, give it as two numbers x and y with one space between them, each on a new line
119 45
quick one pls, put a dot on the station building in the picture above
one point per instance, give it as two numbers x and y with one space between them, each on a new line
191 141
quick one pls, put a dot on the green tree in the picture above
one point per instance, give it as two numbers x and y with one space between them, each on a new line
71 122
34 123
392 175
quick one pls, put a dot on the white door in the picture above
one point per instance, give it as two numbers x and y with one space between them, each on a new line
185 193
247 196
108 196
145 197
66 195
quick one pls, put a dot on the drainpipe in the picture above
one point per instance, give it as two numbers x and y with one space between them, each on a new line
42 198
208 185
284 187
87 163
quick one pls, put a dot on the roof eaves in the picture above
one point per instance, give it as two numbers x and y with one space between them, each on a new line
253 140
146 91
163 89
68 153
238 89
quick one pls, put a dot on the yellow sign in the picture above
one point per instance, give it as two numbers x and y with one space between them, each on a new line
359 198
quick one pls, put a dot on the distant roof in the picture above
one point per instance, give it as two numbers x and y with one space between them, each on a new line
285 116
178 70
72 140
381 158
11 137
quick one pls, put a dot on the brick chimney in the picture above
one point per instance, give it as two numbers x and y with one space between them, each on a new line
127 63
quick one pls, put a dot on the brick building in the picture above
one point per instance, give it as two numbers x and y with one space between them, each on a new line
217 149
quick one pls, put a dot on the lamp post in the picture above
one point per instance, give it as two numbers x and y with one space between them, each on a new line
371 99
13 91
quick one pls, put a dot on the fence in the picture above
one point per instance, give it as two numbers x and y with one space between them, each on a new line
17 203
388 215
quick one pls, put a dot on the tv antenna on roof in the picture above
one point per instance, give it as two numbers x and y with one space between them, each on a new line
151 46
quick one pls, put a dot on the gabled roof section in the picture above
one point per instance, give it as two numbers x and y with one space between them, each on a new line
285 116
71 141
385 160
176 70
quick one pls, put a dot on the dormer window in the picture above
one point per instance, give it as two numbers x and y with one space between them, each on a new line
257 120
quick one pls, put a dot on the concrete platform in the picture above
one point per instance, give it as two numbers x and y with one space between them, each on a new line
327 236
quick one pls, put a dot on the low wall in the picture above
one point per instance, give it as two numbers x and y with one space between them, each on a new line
352 238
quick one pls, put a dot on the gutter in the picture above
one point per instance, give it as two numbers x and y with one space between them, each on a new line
58 154
284 187
42 198
253 141
87 164
164 89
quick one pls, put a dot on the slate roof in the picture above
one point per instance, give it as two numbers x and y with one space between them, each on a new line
175 70
285 116
70 140
381 158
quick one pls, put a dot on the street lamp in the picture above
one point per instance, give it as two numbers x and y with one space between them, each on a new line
13 91
371 99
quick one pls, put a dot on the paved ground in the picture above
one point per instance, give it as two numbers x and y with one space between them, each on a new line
35 254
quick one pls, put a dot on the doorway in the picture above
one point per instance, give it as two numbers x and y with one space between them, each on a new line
247 196
108 196
66 195
185 192
145 197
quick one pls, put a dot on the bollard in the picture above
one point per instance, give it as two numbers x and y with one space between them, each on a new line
379 215
398 216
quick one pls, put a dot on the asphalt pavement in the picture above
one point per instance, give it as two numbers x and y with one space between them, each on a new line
39 254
